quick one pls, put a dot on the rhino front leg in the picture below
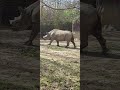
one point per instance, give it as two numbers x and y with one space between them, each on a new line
57 43
67 44
35 31
50 42
83 45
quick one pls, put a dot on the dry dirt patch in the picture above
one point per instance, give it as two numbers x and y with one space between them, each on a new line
60 66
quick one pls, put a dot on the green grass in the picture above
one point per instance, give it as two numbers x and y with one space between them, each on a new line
59 75
56 48
30 52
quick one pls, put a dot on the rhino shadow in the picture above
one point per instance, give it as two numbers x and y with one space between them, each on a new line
99 54
70 47
35 46
61 46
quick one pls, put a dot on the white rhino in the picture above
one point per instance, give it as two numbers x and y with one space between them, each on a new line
60 35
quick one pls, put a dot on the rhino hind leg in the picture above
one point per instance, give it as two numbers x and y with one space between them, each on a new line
67 44
73 43
83 45
102 42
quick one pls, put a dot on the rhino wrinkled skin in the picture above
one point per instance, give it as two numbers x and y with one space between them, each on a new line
90 25
60 35
29 16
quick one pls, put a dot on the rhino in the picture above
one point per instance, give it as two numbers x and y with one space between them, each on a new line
60 35
90 25
30 16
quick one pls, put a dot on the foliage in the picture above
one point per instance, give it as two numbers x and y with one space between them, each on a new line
61 19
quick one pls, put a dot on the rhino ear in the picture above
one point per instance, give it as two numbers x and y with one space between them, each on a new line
21 9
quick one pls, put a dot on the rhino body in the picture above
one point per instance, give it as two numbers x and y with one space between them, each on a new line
60 35
29 16
90 25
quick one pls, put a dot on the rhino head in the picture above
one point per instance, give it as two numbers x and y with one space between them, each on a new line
23 21
47 36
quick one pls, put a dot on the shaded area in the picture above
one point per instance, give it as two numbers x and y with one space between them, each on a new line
9 9
19 64
98 54
99 71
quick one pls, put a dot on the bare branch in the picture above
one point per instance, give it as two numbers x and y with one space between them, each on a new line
56 8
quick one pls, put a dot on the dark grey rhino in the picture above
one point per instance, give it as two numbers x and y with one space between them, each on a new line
29 16
90 24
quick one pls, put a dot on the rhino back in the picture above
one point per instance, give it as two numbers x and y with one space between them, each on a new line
31 7
87 8
36 14
88 18
33 11
61 35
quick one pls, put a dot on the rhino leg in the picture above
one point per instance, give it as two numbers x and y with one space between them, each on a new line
67 44
83 41
73 43
50 42
28 43
57 43
35 31
102 42
83 44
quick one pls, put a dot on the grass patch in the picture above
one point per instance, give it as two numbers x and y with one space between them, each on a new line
56 48
31 52
59 76
114 45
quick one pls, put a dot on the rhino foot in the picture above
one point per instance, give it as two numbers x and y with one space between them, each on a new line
74 47
66 46
28 43
58 45
104 52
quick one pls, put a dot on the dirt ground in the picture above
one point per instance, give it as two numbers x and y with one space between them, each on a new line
19 64
99 72
60 66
